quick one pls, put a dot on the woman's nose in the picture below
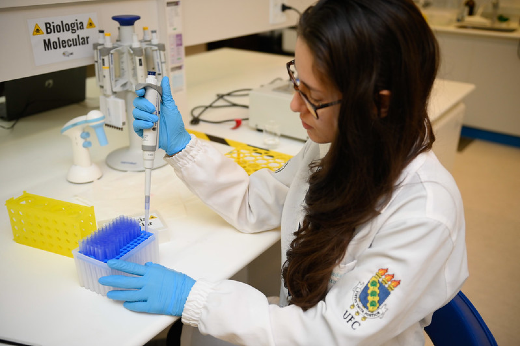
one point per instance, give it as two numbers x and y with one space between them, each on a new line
297 103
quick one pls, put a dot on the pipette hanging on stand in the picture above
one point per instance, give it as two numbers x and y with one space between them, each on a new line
159 57
97 57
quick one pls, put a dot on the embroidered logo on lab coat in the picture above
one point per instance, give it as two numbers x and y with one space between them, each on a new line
369 298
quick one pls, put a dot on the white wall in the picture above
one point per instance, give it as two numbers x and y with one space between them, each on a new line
16 53
208 21
203 21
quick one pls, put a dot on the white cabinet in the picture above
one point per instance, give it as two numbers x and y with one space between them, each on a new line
492 64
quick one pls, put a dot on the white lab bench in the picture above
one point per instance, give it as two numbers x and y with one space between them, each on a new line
41 302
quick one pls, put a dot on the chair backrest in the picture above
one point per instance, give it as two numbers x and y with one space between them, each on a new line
459 323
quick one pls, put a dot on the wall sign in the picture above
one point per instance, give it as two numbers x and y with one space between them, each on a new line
59 39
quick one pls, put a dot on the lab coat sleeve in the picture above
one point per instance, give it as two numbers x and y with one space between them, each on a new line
414 249
249 203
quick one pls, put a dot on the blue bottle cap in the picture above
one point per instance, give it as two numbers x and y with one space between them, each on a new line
126 19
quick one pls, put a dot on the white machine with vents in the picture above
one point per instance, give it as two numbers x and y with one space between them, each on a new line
271 102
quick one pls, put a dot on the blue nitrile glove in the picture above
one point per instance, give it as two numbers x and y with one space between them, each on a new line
173 136
156 290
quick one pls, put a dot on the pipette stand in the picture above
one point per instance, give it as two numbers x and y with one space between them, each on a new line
121 66
131 158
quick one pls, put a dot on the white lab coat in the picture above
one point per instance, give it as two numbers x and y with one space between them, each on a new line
418 237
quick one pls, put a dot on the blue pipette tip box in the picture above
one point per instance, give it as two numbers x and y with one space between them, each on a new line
157 225
142 247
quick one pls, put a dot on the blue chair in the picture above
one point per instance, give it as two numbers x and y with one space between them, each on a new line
459 323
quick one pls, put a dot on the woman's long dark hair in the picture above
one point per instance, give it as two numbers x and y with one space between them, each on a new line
360 47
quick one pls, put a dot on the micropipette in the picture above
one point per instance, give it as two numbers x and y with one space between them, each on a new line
150 139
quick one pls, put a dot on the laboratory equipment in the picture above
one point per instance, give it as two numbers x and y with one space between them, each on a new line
49 224
272 134
249 157
83 169
158 50
97 56
35 94
120 239
122 65
113 107
138 60
272 102
150 138
173 136
156 223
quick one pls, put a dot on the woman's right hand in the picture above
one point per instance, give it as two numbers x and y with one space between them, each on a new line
173 136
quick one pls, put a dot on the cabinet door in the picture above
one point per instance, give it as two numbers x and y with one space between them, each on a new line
447 134
493 65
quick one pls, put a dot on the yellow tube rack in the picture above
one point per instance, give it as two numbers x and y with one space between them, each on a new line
49 224
251 158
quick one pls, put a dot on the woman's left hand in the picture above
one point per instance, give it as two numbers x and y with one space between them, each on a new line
156 289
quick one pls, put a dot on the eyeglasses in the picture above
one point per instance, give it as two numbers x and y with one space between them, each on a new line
293 74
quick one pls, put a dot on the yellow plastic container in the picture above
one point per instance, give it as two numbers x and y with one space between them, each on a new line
49 224
251 158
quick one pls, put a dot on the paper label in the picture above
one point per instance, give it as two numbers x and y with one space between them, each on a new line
64 38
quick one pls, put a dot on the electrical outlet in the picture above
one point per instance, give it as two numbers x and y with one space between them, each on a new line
276 16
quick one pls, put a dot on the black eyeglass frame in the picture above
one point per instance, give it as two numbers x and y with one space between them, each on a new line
314 108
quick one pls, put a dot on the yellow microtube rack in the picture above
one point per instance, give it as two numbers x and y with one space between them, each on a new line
249 157
252 158
49 224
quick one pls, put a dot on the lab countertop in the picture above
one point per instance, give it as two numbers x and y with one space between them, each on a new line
453 29
444 95
41 302
443 20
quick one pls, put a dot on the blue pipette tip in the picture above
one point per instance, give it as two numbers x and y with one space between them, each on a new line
114 239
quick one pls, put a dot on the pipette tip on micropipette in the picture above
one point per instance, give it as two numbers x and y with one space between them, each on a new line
150 137
146 213
148 182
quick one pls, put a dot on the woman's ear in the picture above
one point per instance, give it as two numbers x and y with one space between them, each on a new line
384 101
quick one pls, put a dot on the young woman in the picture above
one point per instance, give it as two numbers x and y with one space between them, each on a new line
372 224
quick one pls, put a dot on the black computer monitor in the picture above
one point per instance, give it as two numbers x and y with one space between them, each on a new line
35 94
